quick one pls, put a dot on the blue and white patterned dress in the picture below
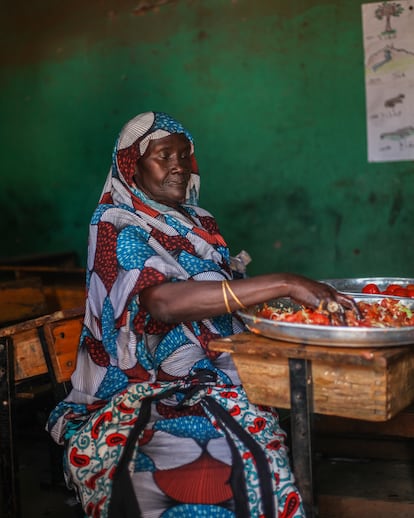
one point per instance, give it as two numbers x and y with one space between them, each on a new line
156 425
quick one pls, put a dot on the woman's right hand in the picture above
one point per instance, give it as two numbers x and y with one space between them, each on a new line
318 294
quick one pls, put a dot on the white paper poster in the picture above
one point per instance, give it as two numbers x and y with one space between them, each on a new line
388 32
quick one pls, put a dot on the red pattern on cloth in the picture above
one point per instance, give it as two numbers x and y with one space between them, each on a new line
204 481
173 242
137 374
155 327
148 277
204 338
291 505
107 198
97 351
127 159
212 239
106 264
170 412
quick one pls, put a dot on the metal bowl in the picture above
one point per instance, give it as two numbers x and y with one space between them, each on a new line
356 285
328 335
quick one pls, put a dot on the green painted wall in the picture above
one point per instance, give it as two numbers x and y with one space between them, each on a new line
273 92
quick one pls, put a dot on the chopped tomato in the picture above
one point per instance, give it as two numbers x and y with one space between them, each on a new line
294 317
400 292
266 312
388 312
319 319
390 289
371 288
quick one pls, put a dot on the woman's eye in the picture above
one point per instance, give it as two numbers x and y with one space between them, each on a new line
164 156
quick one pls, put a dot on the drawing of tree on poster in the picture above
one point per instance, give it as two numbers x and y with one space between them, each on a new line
386 10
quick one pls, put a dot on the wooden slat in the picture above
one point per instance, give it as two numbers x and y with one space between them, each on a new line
353 438
402 425
21 300
366 489
29 360
63 288
28 353
60 259
373 384
62 339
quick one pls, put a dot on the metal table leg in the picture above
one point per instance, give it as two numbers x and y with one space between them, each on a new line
9 501
301 433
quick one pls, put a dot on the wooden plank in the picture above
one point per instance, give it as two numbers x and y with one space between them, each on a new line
63 288
29 360
39 321
61 259
342 506
363 447
64 297
361 383
341 437
402 425
21 300
28 353
368 489
349 391
249 343
62 339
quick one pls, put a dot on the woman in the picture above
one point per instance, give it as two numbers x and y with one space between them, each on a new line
156 424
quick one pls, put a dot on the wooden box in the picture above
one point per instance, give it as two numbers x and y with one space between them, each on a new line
370 383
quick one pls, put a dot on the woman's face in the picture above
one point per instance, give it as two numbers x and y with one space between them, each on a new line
164 170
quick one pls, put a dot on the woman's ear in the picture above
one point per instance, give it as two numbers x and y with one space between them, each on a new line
135 176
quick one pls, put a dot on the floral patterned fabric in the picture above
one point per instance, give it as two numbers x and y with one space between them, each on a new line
151 395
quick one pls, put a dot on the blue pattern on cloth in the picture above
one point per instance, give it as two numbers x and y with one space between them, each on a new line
198 428
194 265
144 463
177 225
114 379
99 211
109 334
170 342
133 249
165 122
201 511
224 325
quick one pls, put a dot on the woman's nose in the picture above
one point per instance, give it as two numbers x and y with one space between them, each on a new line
179 165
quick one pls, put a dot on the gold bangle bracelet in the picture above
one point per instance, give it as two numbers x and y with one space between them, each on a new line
235 297
226 301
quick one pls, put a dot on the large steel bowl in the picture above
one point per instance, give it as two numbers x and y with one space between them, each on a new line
355 285
328 335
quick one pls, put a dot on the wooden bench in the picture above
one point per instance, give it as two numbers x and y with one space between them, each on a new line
21 300
65 259
46 345
63 288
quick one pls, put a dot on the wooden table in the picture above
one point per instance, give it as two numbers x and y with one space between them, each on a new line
371 384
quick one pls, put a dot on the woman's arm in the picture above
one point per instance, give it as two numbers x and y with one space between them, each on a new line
195 300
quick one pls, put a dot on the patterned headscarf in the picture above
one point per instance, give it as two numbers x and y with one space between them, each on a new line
131 146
